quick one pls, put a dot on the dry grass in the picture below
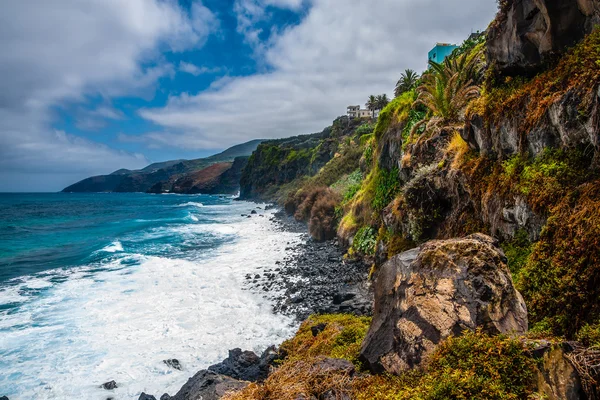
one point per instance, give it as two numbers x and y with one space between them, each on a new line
299 375
295 380
456 150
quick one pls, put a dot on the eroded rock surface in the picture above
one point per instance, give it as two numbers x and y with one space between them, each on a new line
426 294
555 376
528 32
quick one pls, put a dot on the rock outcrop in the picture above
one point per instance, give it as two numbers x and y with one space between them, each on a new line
246 365
527 32
208 385
570 121
555 377
427 294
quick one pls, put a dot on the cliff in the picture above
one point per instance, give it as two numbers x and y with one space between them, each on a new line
159 175
219 178
277 163
499 144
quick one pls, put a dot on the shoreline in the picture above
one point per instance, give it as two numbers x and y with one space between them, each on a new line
313 278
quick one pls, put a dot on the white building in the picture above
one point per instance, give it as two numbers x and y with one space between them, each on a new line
357 112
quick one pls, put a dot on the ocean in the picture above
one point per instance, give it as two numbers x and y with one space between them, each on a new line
100 287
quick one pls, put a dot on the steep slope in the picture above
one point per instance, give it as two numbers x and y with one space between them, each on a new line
142 180
219 178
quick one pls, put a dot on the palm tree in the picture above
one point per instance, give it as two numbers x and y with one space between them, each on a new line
382 101
408 80
372 104
446 89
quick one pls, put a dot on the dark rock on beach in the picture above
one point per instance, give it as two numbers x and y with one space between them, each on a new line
314 278
173 363
246 365
145 396
3 398
107 385
208 385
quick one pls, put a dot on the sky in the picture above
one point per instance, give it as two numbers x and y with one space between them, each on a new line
91 86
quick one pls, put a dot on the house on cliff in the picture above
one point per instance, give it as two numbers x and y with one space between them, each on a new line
441 51
357 112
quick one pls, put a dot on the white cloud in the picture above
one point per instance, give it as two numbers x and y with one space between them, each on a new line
59 52
196 70
340 53
251 12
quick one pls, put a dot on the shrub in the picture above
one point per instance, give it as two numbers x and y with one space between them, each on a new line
457 148
560 281
397 110
364 129
297 377
472 366
589 335
517 252
323 218
387 185
341 338
365 241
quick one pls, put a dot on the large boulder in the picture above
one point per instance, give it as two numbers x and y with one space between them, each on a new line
427 294
527 32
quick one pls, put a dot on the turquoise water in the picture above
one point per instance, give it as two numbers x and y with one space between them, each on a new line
95 287
45 231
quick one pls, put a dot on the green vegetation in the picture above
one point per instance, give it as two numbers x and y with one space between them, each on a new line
341 338
365 241
364 129
547 178
589 335
560 280
449 87
408 81
517 251
297 377
387 185
397 110
472 366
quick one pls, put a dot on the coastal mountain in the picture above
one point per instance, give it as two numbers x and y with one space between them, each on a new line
194 176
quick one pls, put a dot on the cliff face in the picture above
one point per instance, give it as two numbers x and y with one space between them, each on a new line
513 156
527 33
276 163
219 178
160 176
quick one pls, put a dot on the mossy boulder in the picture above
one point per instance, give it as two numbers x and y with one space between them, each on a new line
441 289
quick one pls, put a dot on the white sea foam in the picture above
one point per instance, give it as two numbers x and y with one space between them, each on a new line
122 322
113 247
191 204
